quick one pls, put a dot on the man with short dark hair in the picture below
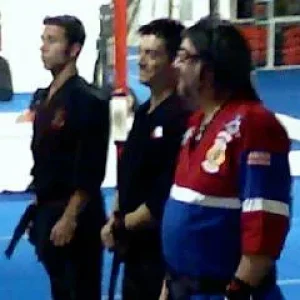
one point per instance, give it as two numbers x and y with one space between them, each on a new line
232 184
147 163
69 145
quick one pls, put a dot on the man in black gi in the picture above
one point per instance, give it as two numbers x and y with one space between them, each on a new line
69 145
147 163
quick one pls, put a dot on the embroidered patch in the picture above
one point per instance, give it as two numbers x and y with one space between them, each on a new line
233 127
59 119
259 158
215 157
157 132
225 136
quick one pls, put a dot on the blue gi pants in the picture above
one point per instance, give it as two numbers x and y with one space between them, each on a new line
272 293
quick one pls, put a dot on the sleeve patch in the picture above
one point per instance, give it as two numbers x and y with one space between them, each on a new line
259 158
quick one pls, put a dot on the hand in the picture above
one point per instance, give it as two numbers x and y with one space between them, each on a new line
63 231
26 116
238 290
107 234
164 294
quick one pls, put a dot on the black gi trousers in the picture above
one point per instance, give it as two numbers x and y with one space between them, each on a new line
142 280
144 269
75 269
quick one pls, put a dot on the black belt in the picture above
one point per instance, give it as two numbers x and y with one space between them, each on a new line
200 285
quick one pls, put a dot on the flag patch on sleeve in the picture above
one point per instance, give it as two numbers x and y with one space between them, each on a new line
259 158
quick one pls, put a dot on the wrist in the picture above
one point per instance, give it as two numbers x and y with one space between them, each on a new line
118 226
254 268
114 213
69 218
129 221
238 289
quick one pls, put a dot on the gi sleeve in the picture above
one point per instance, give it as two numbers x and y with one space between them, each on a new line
92 123
39 96
265 185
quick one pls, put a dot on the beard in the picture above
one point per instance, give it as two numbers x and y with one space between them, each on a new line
189 94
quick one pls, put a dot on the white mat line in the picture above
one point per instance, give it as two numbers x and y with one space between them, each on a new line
116 297
8 238
284 282
5 238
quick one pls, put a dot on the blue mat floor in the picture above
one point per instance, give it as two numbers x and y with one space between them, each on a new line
24 278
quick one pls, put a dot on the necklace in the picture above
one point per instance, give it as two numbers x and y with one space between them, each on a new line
205 122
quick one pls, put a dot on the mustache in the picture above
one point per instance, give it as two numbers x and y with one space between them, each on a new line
142 67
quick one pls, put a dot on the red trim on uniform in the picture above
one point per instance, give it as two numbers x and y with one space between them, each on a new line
120 148
263 233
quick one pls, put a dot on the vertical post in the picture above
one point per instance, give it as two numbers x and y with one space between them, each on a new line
271 35
0 32
264 16
214 8
120 26
175 9
214 13
118 104
170 7
101 71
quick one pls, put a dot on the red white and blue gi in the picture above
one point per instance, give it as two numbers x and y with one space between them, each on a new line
231 195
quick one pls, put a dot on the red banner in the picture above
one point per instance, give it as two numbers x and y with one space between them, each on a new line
256 36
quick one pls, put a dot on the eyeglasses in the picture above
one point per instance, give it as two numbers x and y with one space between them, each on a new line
183 56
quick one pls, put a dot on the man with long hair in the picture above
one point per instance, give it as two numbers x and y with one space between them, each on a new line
227 217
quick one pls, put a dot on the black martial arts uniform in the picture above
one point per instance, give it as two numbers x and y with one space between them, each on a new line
146 171
69 147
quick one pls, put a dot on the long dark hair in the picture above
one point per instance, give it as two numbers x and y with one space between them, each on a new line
221 45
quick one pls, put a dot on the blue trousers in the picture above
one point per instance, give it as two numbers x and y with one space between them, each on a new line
273 293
